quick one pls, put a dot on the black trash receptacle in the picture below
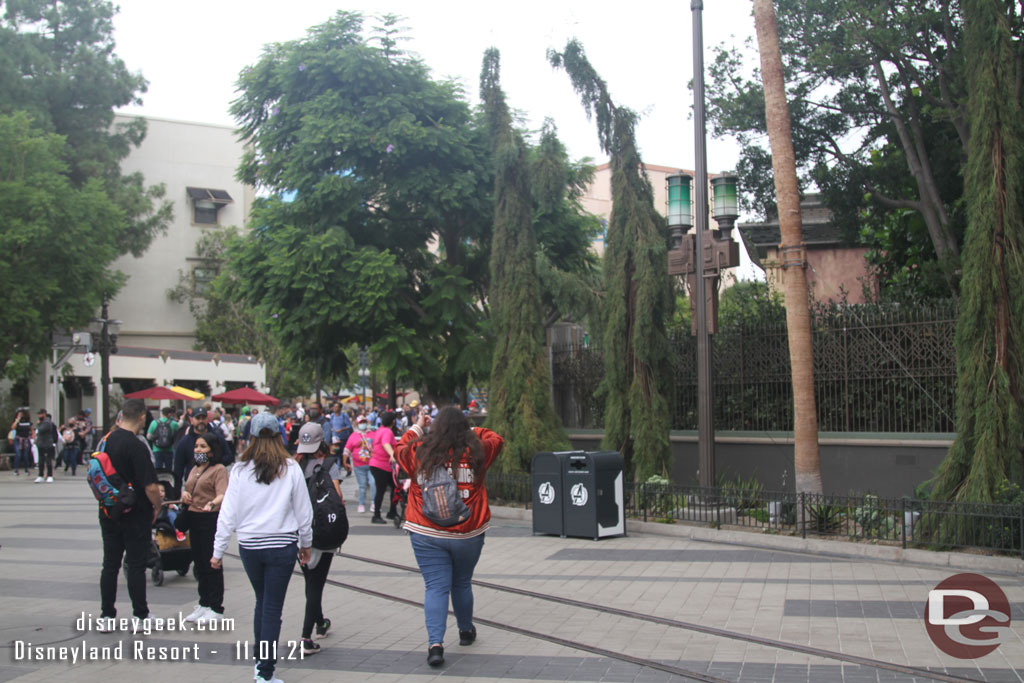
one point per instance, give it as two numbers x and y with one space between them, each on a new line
546 483
592 495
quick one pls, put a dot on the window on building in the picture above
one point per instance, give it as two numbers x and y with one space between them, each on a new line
206 203
202 276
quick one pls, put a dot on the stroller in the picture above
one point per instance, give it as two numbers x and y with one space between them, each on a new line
167 553
401 494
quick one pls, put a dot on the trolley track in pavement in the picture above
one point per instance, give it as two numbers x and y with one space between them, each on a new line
664 621
565 642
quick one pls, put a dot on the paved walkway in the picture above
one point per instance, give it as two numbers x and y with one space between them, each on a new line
49 572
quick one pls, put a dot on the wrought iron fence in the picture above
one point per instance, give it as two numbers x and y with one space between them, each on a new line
878 368
903 522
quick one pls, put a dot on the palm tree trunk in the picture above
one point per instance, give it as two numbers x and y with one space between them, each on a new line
807 463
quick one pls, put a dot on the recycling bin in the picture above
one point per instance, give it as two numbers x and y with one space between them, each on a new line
546 484
593 500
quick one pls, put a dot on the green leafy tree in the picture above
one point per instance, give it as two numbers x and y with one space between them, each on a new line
383 162
56 243
59 77
520 387
638 297
877 92
990 329
225 323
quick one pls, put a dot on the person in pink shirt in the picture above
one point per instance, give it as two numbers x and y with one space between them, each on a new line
381 461
358 449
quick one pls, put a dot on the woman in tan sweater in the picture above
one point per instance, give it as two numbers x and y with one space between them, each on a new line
203 492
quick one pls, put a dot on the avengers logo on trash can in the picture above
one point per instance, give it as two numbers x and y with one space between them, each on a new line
546 493
579 495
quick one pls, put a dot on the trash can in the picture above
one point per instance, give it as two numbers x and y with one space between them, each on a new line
592 495
546 483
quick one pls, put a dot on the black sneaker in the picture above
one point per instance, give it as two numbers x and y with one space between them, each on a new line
377 520
392 515
309 647
323 627
467 637
435 656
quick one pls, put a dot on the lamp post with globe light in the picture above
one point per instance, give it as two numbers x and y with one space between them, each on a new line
701 257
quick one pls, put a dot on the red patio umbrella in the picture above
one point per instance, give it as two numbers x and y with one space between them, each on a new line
245 395
157 393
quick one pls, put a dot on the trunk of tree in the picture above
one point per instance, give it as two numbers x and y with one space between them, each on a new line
807 464
392 393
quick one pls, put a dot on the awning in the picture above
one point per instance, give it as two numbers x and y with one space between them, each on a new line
193 395
209 195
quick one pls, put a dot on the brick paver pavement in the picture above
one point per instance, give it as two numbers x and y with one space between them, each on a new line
50 560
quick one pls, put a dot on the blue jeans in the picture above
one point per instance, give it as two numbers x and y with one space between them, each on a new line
71 458
22 453
164 459
269 571
362 477
447 566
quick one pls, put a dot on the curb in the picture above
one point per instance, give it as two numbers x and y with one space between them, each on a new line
811 546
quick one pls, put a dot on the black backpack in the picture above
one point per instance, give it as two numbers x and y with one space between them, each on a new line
330 521
164 435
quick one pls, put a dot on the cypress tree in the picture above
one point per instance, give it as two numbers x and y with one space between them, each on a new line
520 388
638 298
990 330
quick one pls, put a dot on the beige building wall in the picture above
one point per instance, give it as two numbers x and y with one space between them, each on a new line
831 274
178 154
157 335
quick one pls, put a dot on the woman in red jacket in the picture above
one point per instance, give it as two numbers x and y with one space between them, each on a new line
447 550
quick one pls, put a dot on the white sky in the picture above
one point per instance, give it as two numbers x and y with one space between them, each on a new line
191 52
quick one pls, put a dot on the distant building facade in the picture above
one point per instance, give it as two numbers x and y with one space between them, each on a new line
837 269
196 163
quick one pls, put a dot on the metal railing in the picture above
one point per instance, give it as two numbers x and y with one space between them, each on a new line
903 522
877 368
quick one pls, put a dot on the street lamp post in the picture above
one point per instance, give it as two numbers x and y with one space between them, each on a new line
105 333
701 257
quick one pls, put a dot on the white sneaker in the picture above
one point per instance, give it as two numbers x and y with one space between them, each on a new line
39 480
195 614
49 480
256 676
207 617
105 625
362 508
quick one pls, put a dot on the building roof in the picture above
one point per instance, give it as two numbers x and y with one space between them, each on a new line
818 230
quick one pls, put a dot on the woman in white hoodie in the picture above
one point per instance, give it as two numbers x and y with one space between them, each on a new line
267 505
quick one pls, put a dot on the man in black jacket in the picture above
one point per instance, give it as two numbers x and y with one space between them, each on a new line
186 445
46 445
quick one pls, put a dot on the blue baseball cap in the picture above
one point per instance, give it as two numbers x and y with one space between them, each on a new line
261 421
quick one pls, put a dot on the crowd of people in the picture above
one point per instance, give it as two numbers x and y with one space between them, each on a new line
254 476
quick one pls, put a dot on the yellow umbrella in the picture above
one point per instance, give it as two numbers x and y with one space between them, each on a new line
194 395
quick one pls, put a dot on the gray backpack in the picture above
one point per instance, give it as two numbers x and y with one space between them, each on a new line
442 503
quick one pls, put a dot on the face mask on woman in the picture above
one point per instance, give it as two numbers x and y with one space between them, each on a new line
200 458
363 427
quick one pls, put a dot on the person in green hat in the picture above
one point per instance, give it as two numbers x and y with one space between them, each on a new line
242 427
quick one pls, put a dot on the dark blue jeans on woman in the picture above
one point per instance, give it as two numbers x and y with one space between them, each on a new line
447 566
22 453
269 571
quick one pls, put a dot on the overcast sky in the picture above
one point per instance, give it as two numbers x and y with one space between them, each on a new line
191 52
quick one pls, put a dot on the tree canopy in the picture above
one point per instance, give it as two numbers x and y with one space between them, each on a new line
68 211
878 98
378 227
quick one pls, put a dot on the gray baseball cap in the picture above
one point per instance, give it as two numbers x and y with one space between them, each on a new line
263 421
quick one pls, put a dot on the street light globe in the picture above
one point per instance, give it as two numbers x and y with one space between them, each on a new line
680 211
725 191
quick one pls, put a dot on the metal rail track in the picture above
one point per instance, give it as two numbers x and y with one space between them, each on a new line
686 625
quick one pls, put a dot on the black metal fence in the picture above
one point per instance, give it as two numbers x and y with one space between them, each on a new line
877 368
904 522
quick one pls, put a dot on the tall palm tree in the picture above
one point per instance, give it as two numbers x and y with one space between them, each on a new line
807 463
